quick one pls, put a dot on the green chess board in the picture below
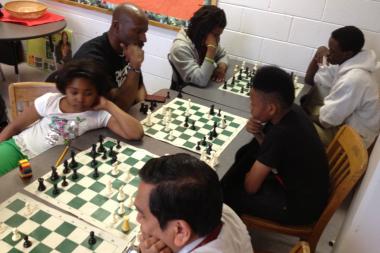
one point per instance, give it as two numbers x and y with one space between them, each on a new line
89 198
49 230
242 87
187 138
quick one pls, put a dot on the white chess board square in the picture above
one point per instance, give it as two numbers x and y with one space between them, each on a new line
28 227
88 208
53 240
78 235
87 194
52 223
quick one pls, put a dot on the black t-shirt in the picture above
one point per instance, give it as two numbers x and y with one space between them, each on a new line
292 147
101 50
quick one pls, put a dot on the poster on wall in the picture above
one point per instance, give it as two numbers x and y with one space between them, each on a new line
40 55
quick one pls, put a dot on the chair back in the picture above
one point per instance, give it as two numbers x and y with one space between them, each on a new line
23 94
300 247
348 159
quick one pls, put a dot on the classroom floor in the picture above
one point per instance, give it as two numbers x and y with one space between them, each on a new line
269 242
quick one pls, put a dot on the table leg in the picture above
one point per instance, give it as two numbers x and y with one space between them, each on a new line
51 44
15 53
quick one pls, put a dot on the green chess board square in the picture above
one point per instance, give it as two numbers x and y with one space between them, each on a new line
203 120
195 108
218 142
178 102
151 131
13 250
134 171
100 214
8 239
176 122
135 182
131 161
199 114
65 229
226 133
92 247
109 144
159 116
131 227
41 248
175 115
208 127
40 233
182 108
184 136
15 220
99 200
66 246
77 203
56 181
116 184
189 144
16 205
180 129
40 217
100 175
97 187
229 118
76 189
146 158
89 154
199 135
80 177
128 151
234 125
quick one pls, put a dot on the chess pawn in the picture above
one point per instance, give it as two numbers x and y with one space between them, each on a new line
28 209
121 209
203 155
16 235
125 226
3 228
109 188
127 176
223 122
115 170
121 195
171 136
167 127
187 112
148 121
130 202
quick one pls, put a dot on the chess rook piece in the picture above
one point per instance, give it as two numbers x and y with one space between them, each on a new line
27 243
92 239
64 182
66 169
54 175
41 185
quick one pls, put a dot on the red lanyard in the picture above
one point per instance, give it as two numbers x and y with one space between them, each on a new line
210 237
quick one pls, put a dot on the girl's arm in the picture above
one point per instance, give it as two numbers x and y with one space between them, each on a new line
121 122
25 119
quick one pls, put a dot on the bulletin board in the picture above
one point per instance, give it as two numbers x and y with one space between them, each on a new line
171 14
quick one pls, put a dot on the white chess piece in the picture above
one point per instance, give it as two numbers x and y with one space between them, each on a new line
109 188
223 123
127 176
255 67
167 126
121 209
148 121
16 235
187 113
130 202
203 155
28 209
2 227
115 169
121 195
171 137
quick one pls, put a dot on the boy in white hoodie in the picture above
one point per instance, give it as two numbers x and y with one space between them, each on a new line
344 89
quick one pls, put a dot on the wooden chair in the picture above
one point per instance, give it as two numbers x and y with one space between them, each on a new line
23 94
301 247
348 160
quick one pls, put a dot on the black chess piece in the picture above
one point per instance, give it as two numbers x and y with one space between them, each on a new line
94 162
246 70
110 152
193 126
73 163
64 182
27 243
180 93
74 176
242 89
214 133
233 81
113 158
204 142
186 121
168 94
41 185
154 103
212 110
93 150
145 111
209 149
55 189
210 135
96 173
92 239
219 112
54 175
118 146
240 74
104 156
66 169
225 85
101 147
142 105
151 106
198 147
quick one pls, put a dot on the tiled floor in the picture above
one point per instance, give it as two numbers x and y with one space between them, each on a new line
261 240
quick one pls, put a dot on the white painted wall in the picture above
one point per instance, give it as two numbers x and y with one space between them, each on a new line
361 229
281 32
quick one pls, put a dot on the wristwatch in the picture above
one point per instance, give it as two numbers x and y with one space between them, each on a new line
130 68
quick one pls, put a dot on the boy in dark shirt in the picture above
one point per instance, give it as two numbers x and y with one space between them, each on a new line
282 174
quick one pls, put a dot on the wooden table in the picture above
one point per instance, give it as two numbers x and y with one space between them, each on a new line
15 32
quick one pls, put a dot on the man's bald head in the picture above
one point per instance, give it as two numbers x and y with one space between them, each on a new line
129 25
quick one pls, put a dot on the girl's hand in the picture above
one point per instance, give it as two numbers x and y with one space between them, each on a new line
211 40
102 104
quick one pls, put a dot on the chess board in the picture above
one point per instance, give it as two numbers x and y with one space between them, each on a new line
242 87
187 138
49 230
89 198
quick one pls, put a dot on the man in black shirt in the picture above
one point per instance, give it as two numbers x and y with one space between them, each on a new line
282 174
120 52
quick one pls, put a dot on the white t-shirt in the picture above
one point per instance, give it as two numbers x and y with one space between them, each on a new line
55 126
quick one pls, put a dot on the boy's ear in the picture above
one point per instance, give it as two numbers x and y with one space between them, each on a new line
182 233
